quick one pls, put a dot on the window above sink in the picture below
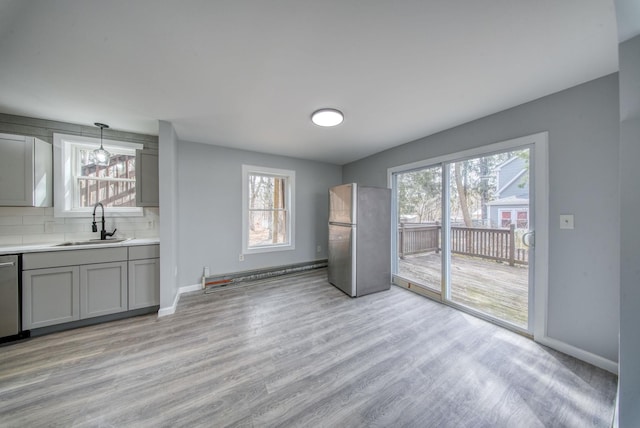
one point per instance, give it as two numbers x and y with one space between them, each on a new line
79 183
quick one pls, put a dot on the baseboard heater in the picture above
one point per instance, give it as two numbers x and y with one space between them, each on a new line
214 283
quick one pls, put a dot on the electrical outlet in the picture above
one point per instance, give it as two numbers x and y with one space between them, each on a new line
318 249
566 221
241 258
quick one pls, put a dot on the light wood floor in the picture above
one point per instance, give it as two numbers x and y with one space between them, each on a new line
295 351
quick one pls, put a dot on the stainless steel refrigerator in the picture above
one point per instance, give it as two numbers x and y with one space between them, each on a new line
359 239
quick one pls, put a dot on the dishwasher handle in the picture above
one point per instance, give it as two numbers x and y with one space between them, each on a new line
7 264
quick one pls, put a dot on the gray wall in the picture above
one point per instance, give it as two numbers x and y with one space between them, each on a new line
583 125
168 184
629 369
210 210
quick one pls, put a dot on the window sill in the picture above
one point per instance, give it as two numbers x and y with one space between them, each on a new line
268 249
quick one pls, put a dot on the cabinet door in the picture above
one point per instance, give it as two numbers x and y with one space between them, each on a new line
16 170
50 296
147 194
103 289
144 283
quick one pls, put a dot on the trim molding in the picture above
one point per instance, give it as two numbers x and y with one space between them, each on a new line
171 309
581 354
184 289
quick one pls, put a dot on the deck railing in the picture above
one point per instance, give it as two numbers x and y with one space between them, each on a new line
486 243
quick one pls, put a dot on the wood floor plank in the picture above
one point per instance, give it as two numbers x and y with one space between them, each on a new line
296 351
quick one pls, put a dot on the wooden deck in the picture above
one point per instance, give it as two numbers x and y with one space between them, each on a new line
494 288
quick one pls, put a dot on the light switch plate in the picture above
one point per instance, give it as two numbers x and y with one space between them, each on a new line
566 221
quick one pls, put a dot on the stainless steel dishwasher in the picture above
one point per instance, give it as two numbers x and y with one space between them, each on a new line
9 297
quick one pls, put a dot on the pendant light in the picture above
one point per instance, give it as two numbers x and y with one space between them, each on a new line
101 156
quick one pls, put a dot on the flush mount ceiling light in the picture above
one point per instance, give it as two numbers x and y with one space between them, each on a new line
101 156
327 117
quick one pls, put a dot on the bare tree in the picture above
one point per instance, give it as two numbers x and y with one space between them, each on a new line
462 194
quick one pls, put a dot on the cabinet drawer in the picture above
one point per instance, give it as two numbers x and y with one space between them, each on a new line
73 257
139 252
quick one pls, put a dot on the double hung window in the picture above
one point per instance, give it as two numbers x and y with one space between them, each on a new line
267 209
81 182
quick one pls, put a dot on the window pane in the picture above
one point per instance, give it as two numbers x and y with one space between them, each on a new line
419 226
506 218
109 193
266 192
523 221
267 228
120 165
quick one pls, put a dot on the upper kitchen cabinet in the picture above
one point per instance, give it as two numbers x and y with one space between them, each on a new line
147 194
25 171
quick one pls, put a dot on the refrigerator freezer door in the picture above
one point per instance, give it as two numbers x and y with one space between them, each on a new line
342 207
342 261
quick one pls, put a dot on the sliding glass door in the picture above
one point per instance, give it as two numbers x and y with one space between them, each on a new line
464 230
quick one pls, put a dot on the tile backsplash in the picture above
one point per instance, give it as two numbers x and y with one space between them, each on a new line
27 225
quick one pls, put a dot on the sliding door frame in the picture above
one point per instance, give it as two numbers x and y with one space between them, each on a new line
538 143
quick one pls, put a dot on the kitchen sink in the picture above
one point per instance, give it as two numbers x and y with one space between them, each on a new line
91 242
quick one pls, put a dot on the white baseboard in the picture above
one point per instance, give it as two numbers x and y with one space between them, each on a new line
172 309
581 354
189 288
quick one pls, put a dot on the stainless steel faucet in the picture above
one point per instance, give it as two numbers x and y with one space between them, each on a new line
94 227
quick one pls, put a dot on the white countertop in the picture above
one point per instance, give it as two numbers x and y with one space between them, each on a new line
53 246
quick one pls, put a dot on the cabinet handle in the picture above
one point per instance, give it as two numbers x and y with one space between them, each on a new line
6 264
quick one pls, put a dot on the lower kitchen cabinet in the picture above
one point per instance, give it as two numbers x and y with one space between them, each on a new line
50 296
63 286
103 289
144 280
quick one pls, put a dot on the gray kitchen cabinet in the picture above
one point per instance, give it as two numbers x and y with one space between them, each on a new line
63 286
144 290
50 296
26 177
144 276
147 193
103 289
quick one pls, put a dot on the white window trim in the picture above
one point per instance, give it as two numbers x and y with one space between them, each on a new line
289 200
63 205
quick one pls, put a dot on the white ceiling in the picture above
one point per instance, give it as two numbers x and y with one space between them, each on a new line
248 74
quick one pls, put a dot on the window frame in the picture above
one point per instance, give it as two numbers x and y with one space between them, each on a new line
65 179
513 213
289 176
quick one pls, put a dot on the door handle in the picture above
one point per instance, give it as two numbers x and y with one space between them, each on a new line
7 264
529 239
